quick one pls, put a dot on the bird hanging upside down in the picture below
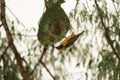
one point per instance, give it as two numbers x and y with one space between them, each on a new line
68 41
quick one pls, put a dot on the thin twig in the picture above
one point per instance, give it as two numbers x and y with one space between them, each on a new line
1 57
107 33
31 73
47 70
4 66
40 60
46 3
16 17
10 40
44 52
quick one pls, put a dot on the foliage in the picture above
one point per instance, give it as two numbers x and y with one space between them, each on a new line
109 67
90 58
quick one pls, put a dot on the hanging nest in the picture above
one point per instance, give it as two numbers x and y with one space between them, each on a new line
53 25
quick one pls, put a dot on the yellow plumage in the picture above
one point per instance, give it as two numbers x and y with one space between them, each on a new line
68 41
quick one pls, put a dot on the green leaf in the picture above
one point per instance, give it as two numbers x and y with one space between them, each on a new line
114 20
117 31
118 47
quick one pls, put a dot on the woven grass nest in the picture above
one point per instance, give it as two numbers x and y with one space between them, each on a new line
53 25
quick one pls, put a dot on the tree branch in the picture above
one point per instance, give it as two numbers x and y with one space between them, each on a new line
106 32
40 60
1 57
10 40
43 64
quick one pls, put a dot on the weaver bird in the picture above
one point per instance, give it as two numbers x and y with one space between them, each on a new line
68 41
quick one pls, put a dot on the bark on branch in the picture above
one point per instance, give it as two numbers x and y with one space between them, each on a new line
10 40
41 61
107 36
